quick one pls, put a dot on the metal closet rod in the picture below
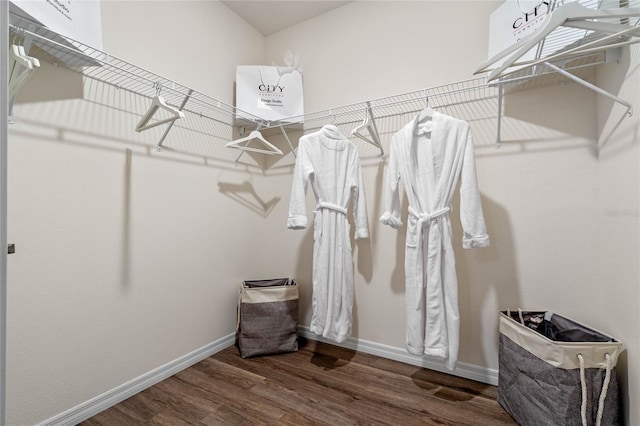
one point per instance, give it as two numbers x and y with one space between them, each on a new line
123 75
115 72
443 96
404 103
120 74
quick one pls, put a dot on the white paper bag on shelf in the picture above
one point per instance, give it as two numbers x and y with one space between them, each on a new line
269 92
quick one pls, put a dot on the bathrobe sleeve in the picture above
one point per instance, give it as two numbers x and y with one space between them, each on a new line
359 204
392 213
471 215
301 173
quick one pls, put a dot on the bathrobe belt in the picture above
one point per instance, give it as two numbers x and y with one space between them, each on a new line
331 206
434 247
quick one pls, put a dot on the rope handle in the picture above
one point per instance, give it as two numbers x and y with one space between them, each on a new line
238 308
519 315
603 392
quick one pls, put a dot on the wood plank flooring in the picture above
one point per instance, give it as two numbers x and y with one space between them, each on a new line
321 384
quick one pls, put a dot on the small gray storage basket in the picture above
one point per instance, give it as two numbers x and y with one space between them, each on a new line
555 371
267 317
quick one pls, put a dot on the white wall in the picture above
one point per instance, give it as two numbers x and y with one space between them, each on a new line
546 168
618 291
367 49
545 193
126 258
362 51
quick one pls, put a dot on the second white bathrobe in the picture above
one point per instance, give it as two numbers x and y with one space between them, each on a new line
330 162
429 162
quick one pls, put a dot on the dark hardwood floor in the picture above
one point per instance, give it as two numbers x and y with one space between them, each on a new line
320 384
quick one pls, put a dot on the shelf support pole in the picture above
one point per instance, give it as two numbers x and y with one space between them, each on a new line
591 86
287 138
500 97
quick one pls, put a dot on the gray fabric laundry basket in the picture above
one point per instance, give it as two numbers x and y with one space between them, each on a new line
555 371
267 317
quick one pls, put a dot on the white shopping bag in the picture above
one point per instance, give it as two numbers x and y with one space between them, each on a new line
269 92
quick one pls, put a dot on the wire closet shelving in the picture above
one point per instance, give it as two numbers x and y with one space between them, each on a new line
104 68
463 99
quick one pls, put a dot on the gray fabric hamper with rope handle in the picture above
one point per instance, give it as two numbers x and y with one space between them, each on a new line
267 317
555 371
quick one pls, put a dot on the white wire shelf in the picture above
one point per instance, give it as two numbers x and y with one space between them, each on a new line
438 97
122 75
572 49
471 100
565 38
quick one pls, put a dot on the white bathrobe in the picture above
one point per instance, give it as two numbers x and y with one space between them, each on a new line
429 163
330 162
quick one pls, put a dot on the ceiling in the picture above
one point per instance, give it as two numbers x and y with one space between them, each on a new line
269 16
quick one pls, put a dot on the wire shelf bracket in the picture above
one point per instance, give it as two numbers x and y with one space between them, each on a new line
574 36
466 98
107 69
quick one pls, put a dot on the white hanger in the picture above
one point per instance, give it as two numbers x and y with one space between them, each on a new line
254 135
369 125
601 27
424 122
19 56
566 15
22 67
425 115
157 103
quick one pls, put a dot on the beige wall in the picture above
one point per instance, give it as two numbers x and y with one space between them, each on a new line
565 163
128 258
616 294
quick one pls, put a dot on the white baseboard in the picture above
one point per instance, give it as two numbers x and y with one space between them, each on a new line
467 371
110 398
